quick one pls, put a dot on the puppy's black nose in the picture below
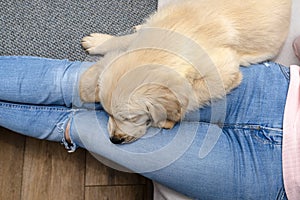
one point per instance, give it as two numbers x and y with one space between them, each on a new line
116 140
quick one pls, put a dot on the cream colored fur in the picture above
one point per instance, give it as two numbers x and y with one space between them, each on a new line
183 56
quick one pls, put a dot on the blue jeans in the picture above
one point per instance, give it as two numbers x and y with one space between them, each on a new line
228 150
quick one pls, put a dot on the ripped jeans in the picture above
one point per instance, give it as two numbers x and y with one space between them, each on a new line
228 150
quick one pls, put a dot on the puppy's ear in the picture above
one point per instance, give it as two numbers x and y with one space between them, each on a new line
164 107
88 86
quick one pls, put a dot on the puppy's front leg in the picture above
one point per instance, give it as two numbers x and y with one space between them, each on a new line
98 43
94 41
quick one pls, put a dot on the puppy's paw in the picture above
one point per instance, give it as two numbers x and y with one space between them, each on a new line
167 124
92 43
136 28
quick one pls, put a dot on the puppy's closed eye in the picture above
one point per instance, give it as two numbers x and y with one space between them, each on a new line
140 119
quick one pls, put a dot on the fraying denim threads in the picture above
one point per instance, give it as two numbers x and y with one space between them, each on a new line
61 128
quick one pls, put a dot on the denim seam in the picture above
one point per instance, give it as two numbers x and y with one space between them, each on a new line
252 127
285 71
282 194
32 107
249 126
266 139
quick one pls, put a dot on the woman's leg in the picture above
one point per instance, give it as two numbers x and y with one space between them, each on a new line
42 122
260 99
231 156
40 81
231 152
243 163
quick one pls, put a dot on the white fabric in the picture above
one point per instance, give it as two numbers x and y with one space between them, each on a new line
163 193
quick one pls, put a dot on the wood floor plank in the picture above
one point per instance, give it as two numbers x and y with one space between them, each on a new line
11 163
136 192
51 173
99 174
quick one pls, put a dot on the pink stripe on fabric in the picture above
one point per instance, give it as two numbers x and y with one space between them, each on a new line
291 137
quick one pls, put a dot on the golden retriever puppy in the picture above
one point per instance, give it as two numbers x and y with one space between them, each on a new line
181 58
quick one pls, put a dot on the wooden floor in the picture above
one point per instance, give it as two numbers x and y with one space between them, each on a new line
32 169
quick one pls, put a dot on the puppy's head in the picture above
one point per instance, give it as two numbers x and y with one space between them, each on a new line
138 94
150 105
